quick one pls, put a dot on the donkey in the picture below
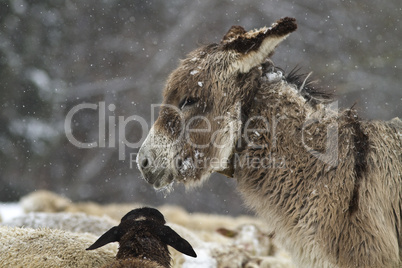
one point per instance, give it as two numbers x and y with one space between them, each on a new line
326 182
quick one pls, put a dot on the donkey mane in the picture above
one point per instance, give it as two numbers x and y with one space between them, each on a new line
308 88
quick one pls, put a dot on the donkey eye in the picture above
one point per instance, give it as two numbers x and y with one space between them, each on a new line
188 101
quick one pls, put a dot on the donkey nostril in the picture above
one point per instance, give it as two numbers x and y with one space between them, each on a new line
144 163
179 163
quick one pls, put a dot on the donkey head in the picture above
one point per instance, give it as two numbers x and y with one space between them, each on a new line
200 118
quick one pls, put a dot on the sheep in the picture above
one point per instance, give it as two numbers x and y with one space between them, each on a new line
199 229
243 247
49 248
46 201
205 222
246 246
143 238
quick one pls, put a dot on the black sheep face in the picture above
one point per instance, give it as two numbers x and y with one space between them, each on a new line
144 213
142 234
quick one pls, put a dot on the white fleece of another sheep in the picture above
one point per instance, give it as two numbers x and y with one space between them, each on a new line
73 222
46 248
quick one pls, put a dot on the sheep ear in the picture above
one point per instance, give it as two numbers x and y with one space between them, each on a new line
108 237
173 239
253 47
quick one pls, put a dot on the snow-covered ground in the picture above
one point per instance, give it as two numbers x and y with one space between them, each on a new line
10 210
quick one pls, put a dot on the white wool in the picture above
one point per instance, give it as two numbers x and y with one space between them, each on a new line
203 260
74 222
25 247
44 201
248 237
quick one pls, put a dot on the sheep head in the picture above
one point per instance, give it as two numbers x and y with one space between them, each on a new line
142 234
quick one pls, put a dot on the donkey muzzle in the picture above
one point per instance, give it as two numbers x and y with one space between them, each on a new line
145 163
154 169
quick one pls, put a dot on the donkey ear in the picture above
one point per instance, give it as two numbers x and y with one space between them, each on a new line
171 238
108 237
255 46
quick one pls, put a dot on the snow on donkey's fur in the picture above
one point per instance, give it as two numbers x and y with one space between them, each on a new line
327 182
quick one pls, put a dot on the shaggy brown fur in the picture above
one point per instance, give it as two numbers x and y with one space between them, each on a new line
327 182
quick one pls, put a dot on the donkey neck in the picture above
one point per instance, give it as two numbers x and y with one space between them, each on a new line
274 120
280 99
278 117
278 141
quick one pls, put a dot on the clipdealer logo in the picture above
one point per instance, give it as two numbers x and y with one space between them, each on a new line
113 134
104 140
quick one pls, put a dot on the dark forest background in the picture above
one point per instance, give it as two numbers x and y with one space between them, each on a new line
57 54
